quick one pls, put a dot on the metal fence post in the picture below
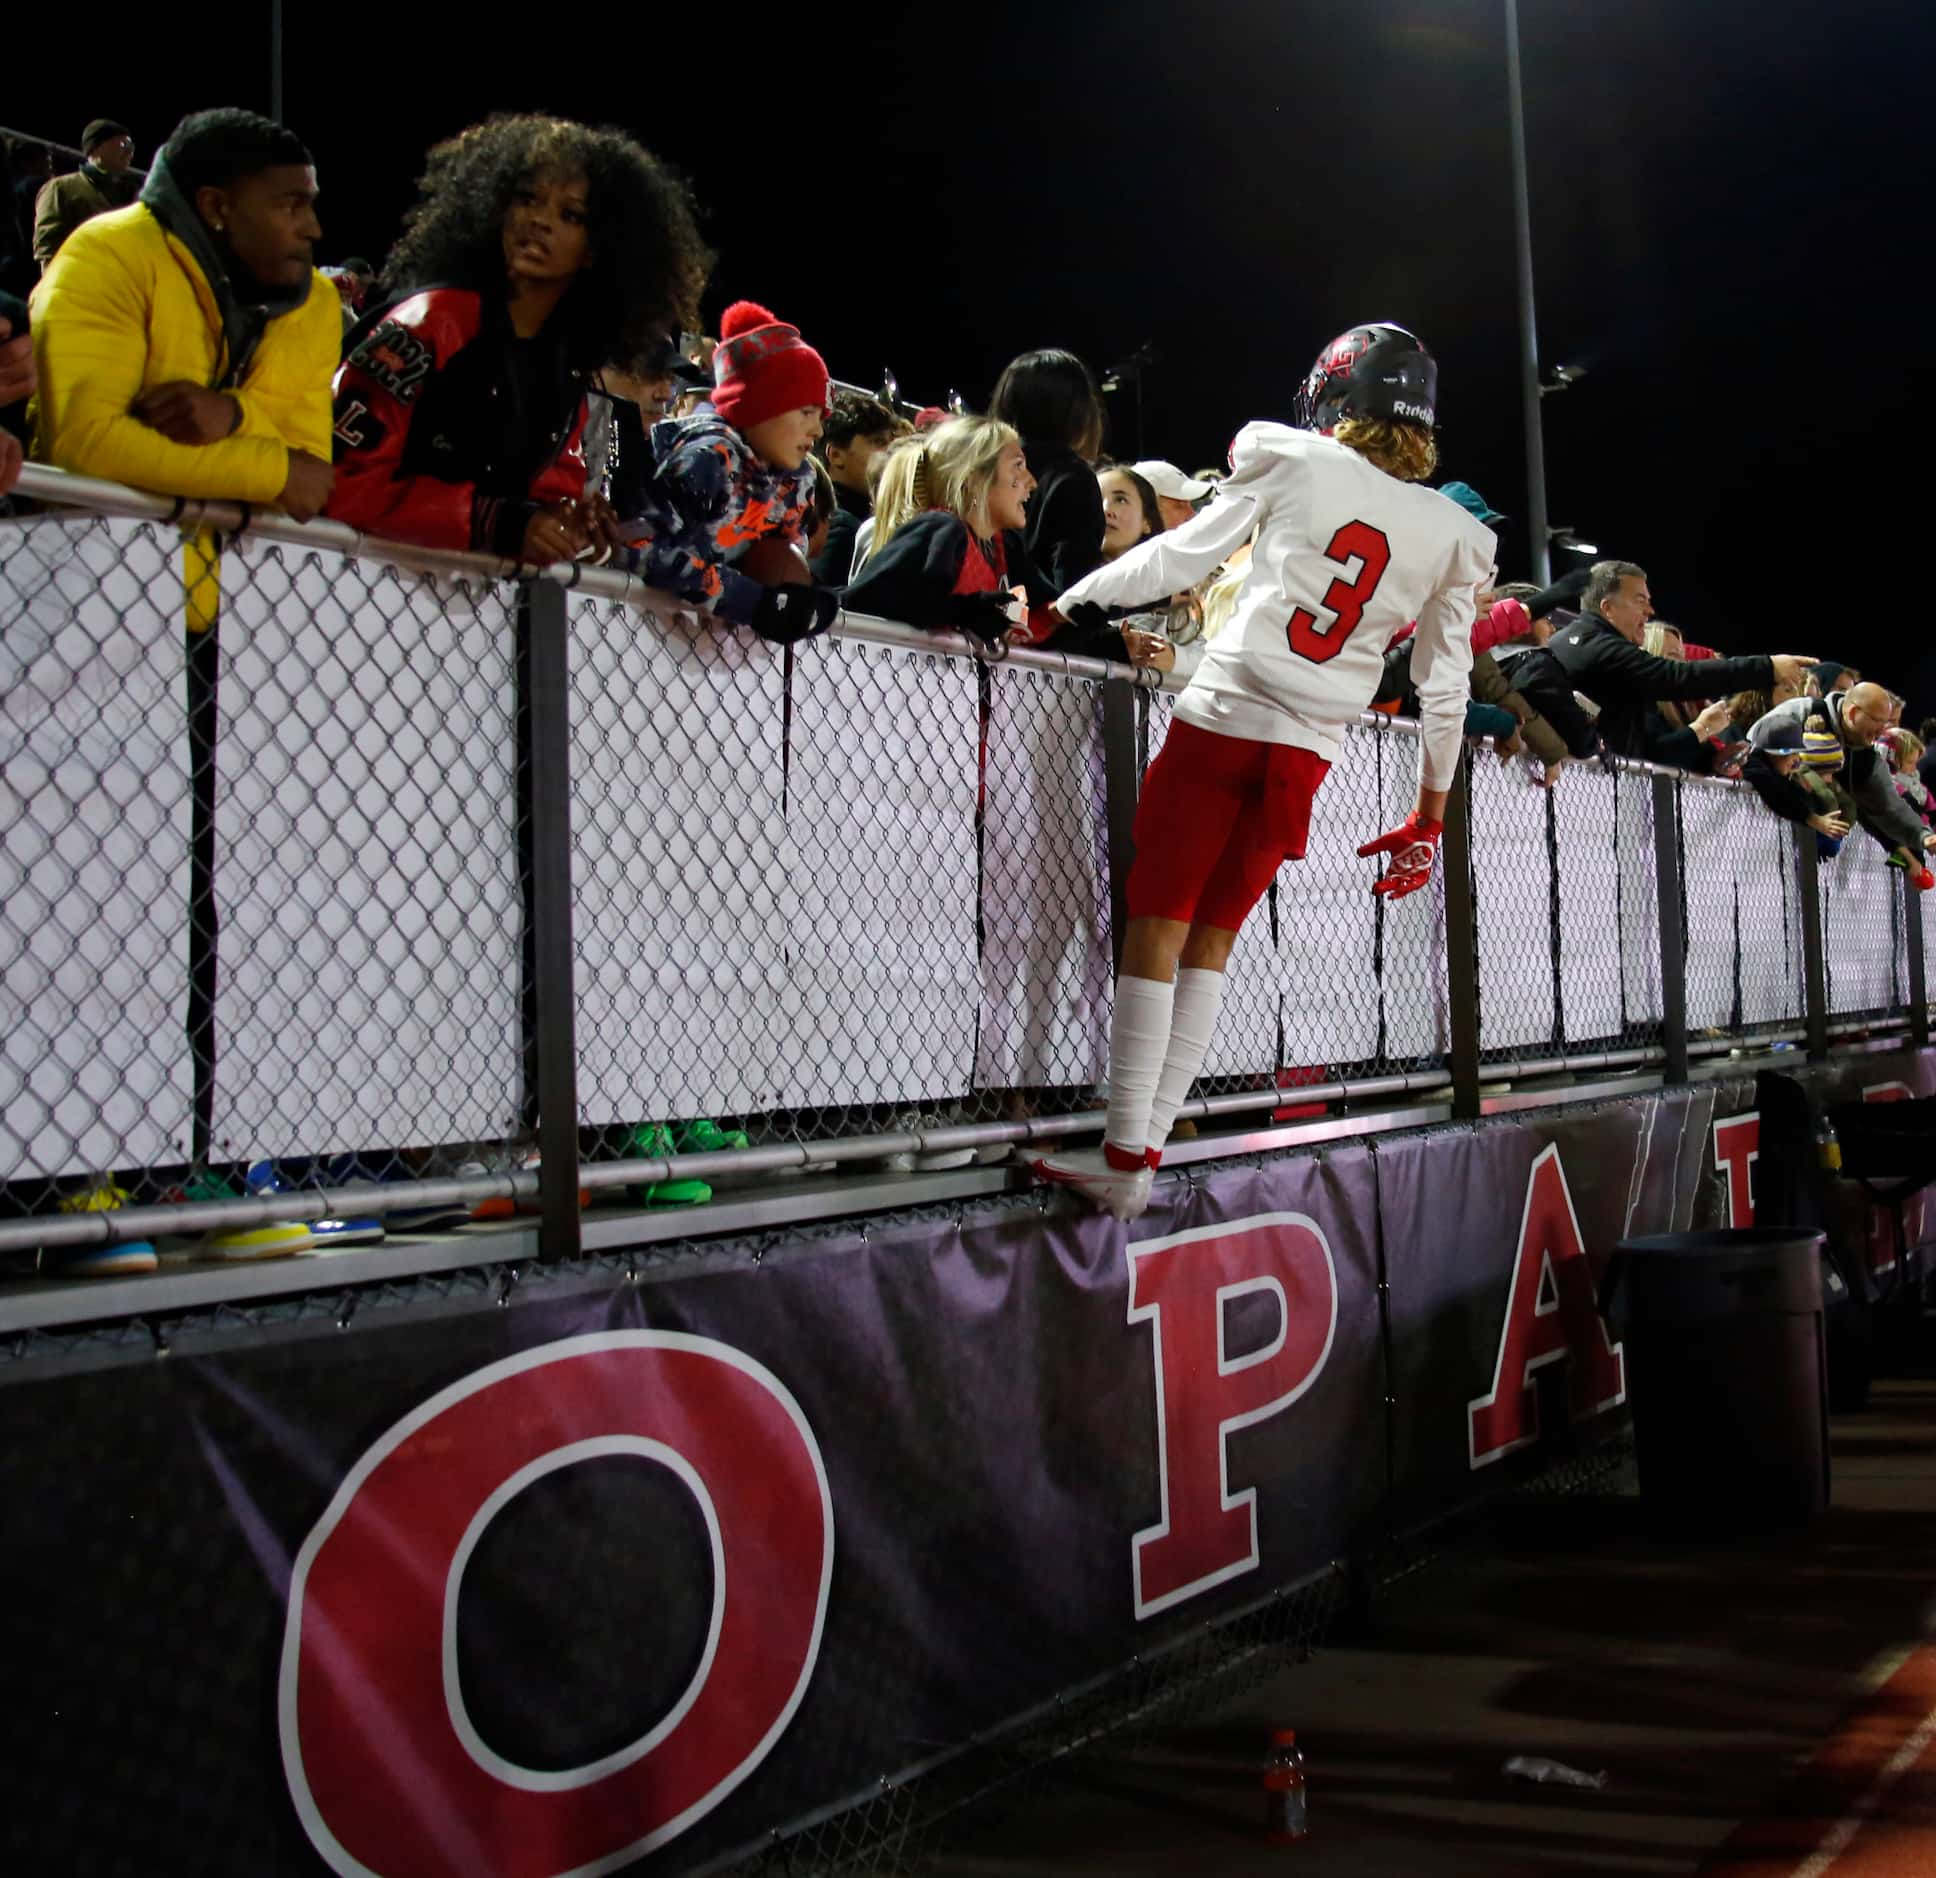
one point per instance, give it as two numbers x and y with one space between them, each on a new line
1912 933
1814 983
551 1053
1668 891
1461 944
1121 726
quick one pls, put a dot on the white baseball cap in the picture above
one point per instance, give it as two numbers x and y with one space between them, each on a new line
1167 480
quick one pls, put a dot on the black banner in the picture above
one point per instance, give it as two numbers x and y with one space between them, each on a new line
623 1569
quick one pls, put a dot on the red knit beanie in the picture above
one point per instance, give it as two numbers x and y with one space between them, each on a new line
762 367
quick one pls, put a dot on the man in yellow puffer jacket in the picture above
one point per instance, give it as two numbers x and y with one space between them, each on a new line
186 344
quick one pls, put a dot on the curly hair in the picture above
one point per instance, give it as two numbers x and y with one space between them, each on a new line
648 264
1407 451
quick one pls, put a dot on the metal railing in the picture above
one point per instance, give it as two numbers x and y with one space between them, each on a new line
420 882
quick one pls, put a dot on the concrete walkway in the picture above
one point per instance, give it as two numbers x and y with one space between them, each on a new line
1698 1677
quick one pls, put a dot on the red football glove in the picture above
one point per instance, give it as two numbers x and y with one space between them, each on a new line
1413 846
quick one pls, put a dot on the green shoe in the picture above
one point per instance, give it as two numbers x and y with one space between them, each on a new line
652 1141
676 1193
705 1136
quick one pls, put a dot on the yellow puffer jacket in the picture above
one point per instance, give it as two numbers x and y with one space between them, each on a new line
125 308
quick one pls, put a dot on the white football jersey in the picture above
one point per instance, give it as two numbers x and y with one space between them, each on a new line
1345 557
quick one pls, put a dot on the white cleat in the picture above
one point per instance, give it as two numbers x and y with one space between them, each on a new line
1121 1193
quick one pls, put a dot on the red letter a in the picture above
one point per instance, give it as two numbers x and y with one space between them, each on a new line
1550 1318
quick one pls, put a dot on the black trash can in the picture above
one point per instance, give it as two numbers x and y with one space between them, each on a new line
1726 1373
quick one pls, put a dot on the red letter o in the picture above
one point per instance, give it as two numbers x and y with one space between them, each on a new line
385 1771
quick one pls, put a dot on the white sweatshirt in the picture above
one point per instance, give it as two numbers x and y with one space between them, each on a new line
1346 558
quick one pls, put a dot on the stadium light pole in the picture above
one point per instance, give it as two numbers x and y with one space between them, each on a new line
1528 324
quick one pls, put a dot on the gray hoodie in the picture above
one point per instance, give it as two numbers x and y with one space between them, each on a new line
1882 812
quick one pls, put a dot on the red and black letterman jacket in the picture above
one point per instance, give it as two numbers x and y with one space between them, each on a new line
450 430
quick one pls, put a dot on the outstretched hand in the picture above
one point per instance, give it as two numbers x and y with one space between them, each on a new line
1414 847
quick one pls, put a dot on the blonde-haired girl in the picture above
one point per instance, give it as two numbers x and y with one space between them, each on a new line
946 548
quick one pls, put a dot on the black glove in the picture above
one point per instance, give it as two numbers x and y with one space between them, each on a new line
783 616
982 616
1087 618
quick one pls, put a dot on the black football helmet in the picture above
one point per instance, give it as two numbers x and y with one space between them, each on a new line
1372 371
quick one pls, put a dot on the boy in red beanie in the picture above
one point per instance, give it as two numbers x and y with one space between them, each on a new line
737 474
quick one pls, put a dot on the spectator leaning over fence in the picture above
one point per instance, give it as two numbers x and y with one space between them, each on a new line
947 549
1600 655
1348 550
1857 717
1774 768
185 344
100 184
858 428
724 511
538 252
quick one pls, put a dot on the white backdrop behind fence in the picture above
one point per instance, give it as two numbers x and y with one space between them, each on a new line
95 1067
366 870
679 856
1046 978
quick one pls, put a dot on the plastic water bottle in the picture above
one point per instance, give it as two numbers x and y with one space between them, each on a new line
1828 1147
1286 1818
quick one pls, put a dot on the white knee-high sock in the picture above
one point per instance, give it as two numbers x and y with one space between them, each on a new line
1137 1041
1193 1022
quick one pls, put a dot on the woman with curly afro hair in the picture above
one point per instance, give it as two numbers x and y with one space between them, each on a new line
539 252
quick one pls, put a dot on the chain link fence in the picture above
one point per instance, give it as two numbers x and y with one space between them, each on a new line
268 900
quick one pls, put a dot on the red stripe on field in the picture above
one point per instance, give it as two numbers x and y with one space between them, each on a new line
1898 1840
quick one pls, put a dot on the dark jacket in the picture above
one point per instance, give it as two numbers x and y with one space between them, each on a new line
13 417
450 430
934 558
835 561
1065 519
1782 793
1870 782
1626 683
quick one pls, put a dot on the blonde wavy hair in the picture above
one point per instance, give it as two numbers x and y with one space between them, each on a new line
950 467
1407 451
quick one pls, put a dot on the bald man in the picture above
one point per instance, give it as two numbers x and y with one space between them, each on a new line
1858 716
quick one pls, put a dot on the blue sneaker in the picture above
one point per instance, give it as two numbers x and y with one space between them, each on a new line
130 1259
263 1178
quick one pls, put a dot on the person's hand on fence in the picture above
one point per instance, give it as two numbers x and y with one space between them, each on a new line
185 412
1152 650
305 491
1830 825
599 522
11 458
16 365
1792 668
786 615
983 616
554 533
1550 775
1413 846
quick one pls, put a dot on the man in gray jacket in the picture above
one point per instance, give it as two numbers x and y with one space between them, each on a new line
1858 717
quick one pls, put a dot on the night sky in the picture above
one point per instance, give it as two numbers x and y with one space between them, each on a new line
1731 204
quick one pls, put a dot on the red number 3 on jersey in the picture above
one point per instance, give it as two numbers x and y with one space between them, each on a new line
1345 600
